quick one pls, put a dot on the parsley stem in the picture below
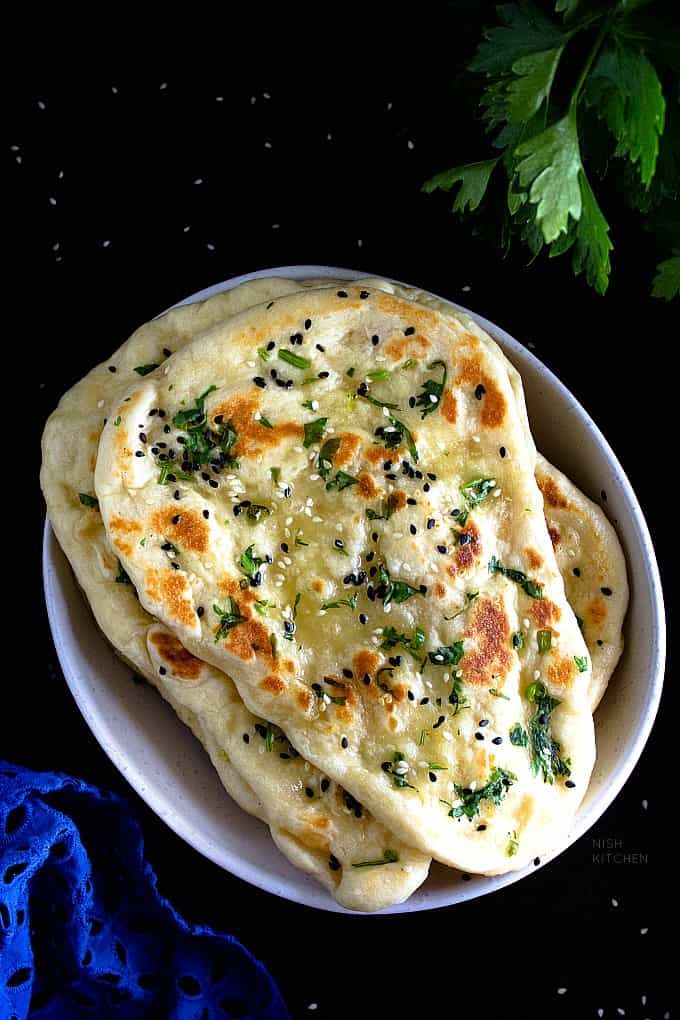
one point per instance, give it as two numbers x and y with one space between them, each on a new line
594 50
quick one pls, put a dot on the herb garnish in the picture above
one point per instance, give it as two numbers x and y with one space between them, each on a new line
447 655
351 603
250 565
581 662
255 511
169 467
117 420
518 639
533 590
378 375
513 843
265 422
314 430
476 490
393 768
544 640
293 359
495 790
388 857
289 625
394 591
498 694
376 402
89 501
456 697
545 751
341 481
145 369
228 618
263 353
413 644
431 396
275 472
394 434
519 736
326 454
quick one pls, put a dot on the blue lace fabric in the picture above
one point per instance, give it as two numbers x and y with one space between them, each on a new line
84 931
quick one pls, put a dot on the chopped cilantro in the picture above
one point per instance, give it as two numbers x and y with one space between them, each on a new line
263 353
89 501
476 490
396 433
314 431
544 640
275 472
518 639
123 577
581 662
447 655
532 589
326 454
388 857
145 369
228 618
498 694
394 591
431 395
413 644
293 359
351 603
255 511
250 564
341 481
495 790
519 736
265 422
378 375
545 752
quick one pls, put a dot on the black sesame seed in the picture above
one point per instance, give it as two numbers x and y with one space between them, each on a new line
411 696
289 626
284 547
479 391
409 331
432 777
271 345
483 722
347 673
324 375
479 736
411 501
367 679
424 701
481 828
426 487
502 451
386 766
142 437
440 720
576 571
237 510
177 518
308 323
139 453
418 474
363 294
466 878
411 401
363 618
606 591
387 466
161 413
342 293
339 544
375 339
325 783
334 863
112 368
309 791
205 476
570 783
317 688
246 738
599 642
284 755
162 670
374 536
423 589
430 523
259 381
167 352
166 429
200 611
455 513
413 529
270 305
175 566
176 494
344 743
213 484
537 861
370 555
497 741
441 549
319 347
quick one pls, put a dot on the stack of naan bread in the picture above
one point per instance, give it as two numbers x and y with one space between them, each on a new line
313 516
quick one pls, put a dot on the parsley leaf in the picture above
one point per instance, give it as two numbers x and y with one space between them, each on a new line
667 279
524 30
473 178
314 431
228 618
396 433
519 736
545 752
549 165
413 644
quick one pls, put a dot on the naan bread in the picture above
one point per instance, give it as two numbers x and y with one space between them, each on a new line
591 560
430 751
314 822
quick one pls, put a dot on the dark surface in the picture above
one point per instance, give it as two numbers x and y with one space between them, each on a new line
130 161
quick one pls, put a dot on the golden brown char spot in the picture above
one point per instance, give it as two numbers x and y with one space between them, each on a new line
399 692
407 346
552 494
313 840
396 501
250 639
416 315
179 661
183 527
487 664
169 588
365 661
534 559
273 684
349 444
232 586
374 454
392 723
493 399
367 488
561 671
555 536
449 407
253 438
93 461
544 612
344 714
317 585
438 590
288 666
597 612
319 823
122 527
304 700
467 554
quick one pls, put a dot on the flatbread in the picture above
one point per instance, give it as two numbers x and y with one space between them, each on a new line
313 821
593 566
483 810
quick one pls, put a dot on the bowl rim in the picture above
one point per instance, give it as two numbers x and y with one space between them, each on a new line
158 799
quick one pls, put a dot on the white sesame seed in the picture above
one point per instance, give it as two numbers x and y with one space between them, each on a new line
275 226
198 180
210 247
537 674
525 622
267 145
476 439
314 477
643 931
219 99
185 230
386 412
433 398
447 735
41 105
465 289
289 520
100 403
312 1005
561 991
497 492
645 805
359 243
53 201
600 1012
318 520
615 903
409 144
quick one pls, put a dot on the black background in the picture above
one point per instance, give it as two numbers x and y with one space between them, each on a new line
341 182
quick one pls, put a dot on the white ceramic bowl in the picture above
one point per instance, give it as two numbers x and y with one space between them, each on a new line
171 772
